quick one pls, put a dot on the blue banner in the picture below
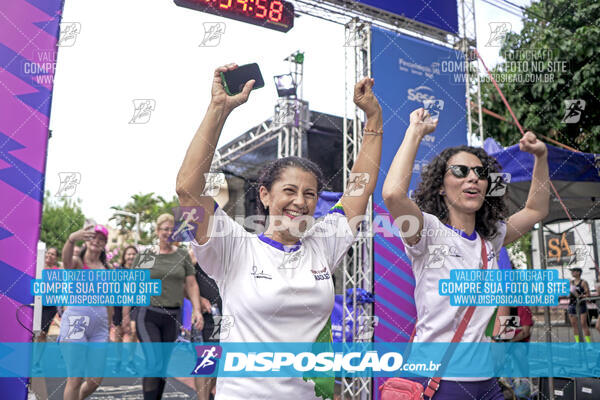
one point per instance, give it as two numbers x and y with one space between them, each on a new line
301 359
409 73
442 14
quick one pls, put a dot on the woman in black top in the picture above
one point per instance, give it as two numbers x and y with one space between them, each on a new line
211 300
120 331
160 322
579 288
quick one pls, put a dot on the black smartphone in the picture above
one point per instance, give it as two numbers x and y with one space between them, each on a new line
234 81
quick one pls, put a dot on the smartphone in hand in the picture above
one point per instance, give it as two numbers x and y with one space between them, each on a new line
234 81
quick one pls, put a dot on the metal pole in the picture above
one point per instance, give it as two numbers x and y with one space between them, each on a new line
593 227
548 326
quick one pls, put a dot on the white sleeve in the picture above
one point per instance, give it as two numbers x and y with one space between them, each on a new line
430 221
226 237
498 240
332 235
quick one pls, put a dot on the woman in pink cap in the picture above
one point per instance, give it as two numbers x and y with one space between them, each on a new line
82 324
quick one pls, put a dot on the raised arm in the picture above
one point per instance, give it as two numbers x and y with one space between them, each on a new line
198 159
395 187
87 233
366 167
538 199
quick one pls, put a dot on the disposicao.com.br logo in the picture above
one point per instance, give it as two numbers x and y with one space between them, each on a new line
298 363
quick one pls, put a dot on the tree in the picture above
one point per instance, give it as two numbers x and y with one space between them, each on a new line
59 219
149 207
559 47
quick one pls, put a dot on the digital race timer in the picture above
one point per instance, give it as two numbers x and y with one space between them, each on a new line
273 14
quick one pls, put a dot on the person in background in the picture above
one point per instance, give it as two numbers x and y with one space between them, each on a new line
83 324
48 312
211 302
579 289
121 330
160 322
598 307
524 323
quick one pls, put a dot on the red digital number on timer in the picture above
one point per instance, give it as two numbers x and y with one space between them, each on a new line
226 5
276 11
244 4
262 8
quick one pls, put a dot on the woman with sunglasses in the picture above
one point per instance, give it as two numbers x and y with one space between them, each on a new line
451 202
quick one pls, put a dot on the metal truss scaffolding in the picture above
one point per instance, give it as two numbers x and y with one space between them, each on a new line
467 43
358 264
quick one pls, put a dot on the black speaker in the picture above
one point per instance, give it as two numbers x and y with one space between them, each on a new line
564 389
587 388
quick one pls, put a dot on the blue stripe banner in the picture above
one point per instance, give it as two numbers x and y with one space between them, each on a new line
301 359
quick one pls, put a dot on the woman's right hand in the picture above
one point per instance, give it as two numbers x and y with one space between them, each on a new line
126 325
220 98
421 123
85 234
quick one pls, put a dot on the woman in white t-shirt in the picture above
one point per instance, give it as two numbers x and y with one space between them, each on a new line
276 287
453 214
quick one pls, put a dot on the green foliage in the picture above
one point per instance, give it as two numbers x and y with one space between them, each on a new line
149 207
555 33
524 244
59 219
324 385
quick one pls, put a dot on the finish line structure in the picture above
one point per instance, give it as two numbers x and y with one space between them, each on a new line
292 120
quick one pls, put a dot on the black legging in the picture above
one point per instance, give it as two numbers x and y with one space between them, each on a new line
155 324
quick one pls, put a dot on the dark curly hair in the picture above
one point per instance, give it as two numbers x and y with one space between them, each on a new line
103 258
428 198
272 172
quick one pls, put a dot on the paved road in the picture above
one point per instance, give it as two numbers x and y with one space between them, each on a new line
119 388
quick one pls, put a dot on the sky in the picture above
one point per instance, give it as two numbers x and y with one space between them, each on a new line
138 50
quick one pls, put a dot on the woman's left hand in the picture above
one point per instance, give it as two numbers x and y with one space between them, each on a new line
530 144
197 319
365 99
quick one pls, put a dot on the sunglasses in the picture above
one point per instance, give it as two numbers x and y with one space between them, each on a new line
461 171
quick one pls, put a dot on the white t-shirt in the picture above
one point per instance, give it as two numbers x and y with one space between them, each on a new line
441 249
274 293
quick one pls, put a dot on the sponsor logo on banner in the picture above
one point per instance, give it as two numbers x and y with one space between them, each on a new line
208 359
419 69
420 94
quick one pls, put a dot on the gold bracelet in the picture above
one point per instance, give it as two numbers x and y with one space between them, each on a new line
367 131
